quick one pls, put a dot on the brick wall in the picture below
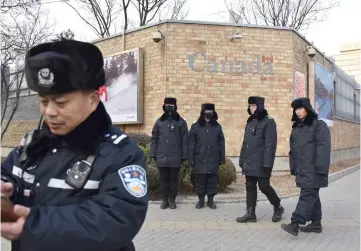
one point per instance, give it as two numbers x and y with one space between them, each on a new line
230 91
167 73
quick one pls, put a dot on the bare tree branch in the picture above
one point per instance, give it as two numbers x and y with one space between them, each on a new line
23 28
99 15
297 14
178 11
124 7
147 9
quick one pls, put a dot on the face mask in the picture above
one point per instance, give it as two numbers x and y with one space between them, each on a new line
208 114
169 108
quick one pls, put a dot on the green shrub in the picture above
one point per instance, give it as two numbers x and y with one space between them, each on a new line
227 175
141 139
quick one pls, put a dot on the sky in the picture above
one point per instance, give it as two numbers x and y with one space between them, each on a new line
327 36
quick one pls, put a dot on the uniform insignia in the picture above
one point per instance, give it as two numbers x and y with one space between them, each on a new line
46 77
134 179
269 117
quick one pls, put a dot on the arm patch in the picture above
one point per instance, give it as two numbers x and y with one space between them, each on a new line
134 179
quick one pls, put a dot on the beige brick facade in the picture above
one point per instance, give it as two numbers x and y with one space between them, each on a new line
167 72
349 60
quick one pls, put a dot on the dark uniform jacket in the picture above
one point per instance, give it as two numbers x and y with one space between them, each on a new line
310 151
105 215
259 146
169 141
206 146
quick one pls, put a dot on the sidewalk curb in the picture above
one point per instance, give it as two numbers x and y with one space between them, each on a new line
331 178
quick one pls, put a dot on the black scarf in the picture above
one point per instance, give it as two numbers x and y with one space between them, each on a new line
84 139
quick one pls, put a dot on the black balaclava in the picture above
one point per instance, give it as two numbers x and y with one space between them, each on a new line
170 101
208 110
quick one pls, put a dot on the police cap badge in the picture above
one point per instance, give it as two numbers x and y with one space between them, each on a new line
64 66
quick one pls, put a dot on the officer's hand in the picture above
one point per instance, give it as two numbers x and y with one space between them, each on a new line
7 188
13 230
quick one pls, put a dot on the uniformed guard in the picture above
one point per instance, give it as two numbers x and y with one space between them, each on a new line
310 156
78 181
206 154
257 159
169 149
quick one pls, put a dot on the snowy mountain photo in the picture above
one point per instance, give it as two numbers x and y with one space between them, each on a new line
120 93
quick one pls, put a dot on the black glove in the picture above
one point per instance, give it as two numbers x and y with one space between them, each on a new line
191 165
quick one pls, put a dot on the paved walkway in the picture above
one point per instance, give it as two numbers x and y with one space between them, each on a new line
190 229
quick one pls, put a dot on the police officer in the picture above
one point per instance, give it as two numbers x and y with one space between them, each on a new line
206 153
169 149
310 153
78 181
257 158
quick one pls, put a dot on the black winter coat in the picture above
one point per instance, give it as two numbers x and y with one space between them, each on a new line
310 151
206 147
259 146
106 214
169 141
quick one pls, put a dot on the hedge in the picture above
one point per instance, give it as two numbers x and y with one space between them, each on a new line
227 171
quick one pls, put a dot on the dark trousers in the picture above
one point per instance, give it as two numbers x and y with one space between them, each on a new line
206 184
169 181
264 186
308 207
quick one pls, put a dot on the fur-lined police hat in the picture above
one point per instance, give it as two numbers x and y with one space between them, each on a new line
64 66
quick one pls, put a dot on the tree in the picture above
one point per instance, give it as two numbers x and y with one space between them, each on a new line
147 9
99 15
124 7
22 28
297 14
64 35
130 63
7 5
176 10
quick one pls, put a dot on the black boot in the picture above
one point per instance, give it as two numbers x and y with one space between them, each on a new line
172 204
250 216
314 227
210 202
200 203
291 228
277 214
164 204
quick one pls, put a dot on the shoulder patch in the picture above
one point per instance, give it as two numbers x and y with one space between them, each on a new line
269 117
116 139
134 179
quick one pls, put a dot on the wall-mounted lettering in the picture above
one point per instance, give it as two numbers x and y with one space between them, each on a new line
256 67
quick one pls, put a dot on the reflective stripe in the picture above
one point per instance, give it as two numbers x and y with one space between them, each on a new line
27 192
120 138
58 183
27 177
